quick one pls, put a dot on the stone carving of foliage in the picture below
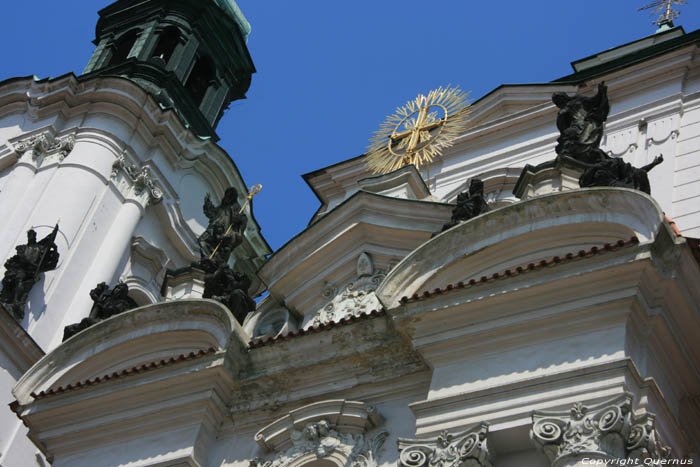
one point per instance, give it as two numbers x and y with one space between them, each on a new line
355 298
609 429
466 449
322 440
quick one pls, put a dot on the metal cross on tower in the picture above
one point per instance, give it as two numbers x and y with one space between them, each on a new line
666 10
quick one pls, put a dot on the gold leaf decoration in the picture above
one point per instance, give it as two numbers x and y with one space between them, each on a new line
418 131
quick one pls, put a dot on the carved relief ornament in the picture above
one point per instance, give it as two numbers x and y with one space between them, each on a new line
340 431
609 429
45 145
140 178
354 298
466 449
320 440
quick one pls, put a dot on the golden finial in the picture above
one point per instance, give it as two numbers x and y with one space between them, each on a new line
666 10
418 131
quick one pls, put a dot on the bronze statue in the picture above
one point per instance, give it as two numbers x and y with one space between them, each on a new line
580 122
23 269
613 171
106 303
230 288
225 229
469 204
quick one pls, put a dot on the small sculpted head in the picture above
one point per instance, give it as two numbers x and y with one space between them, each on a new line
121 290
476 187
230 197
31 236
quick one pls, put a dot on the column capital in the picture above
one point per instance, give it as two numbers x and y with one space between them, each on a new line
135 182
466 448
602 431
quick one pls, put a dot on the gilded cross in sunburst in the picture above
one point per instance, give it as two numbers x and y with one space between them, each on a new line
418 131
666 10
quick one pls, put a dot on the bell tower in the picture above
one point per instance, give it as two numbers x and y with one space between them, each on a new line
190 55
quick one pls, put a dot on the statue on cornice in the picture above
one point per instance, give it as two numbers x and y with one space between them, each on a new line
613 171
470 204
225 229
23 269
581 122
106 303
230 288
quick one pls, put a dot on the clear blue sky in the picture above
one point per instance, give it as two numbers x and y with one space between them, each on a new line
329 71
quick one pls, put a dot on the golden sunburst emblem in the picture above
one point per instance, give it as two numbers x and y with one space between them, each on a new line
418 131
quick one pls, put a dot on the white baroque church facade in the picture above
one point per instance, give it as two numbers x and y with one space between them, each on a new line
559 328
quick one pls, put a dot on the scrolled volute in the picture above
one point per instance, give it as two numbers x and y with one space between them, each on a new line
609 429
468 448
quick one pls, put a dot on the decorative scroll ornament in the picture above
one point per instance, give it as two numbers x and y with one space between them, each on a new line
321 440
418 132
355 298
140 178
467 449
607 429
44 145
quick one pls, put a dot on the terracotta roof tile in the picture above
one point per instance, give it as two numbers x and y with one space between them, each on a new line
126 372
514 271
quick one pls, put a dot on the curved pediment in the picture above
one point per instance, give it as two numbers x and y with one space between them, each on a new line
153 333
522 233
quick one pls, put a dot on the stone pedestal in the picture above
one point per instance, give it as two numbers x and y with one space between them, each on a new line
182 283
560 174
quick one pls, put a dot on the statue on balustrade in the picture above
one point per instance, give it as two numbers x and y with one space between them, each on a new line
613 171
106 303
225 230
23 270
224 233
470 204
230 288
581 122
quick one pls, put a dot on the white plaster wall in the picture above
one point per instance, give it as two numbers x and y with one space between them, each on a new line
15 447
544 357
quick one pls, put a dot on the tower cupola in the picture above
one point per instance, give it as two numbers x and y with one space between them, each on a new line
191 55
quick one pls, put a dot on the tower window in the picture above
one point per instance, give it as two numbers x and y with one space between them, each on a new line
124 46
202 75
166 43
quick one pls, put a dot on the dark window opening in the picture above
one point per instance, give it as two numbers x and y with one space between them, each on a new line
166 43
202 75
124 46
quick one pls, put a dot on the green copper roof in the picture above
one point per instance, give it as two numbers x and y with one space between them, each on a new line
231 8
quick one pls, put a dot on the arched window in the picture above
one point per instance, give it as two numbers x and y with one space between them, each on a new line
167 42
202 75
124 46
